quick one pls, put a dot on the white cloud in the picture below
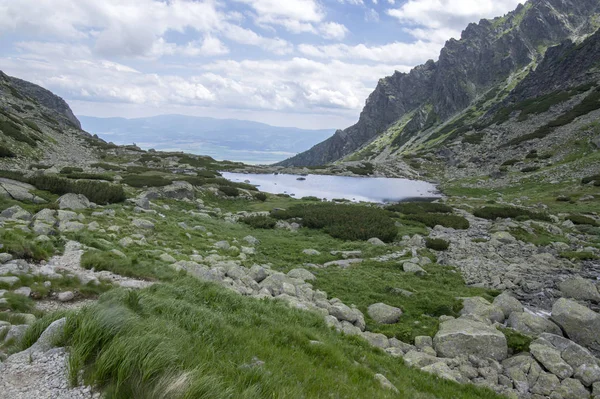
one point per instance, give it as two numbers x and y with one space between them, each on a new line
448 17
393 53
294 15
371 15
333 30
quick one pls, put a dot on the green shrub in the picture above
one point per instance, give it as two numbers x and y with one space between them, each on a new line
589 179
70 169
208 174
311 198
260 222
437 244
39 166
13 130
494 212
107 166
476 138
435 219
347 222
99 192
579 255
89 176
260 196
530 169
581 219
229 191
140 181
409 208
511 162
516 341
563 198
366 169
532 154
5 152
33 125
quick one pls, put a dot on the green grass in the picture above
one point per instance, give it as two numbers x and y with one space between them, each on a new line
579 255
24 246
13 130
366 169
260 222
539 236
581 219
18 303
36 329
194 340
6 152
138 266
107 166
434 294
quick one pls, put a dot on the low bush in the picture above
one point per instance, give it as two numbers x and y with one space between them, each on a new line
579 255
260 222
33 125
311 198
409 208
581 219
39 166
435 219
476 138
437 244
589 179
511 162
366 169
533 154
229 191
13 130
347 222
563 198
107 166
494 212
71 169
5 152
89 176
260 197
530 169
140 181
208 174
99 192
516 341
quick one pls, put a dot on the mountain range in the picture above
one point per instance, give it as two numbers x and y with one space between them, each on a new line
527 81
236 140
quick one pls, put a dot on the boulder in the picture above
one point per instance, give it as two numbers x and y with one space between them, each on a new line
301 274
376 241
310 252
478 306
19 191
468 337
165 257
384 314
414 358
551 359
578 322
508 304
375 339
580 288
66 296
410 267
51 334
531 324
571 388
73 202
70 227
15 213
442 370
385 383
252 240
45 215
222 245
143 224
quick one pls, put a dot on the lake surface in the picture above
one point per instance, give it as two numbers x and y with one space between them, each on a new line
368 189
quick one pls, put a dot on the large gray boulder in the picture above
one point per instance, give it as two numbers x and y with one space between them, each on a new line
508 304
53 333
15 213
531 324
551 359
581 324
19 191
178 190
73 202
384 314
468 337
580 288
478 306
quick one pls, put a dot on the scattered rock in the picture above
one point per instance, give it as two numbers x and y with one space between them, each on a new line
66 296
143 224
468 337
410 267
73 202
384 314
376 242
580 288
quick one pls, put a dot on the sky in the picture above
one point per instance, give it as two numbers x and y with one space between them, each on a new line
302 63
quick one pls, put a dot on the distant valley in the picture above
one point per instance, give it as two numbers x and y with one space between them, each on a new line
223 139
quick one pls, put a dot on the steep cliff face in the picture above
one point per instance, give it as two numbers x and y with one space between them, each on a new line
487 53
43 97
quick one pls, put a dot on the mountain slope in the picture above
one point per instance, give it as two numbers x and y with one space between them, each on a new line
221 138
491 53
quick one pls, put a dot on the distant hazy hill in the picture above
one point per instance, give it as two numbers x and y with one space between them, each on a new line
230 139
